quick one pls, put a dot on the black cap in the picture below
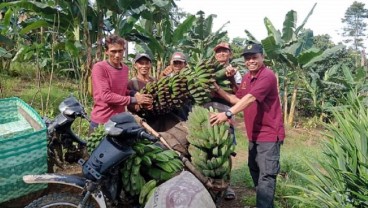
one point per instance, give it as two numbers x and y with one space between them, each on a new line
252 49
142 55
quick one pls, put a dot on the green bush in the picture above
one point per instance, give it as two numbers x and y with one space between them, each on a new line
341 180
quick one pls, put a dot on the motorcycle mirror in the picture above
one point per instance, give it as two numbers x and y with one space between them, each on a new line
110 128
71 106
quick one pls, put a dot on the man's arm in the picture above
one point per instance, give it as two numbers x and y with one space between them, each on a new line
243 103
231 98
240 104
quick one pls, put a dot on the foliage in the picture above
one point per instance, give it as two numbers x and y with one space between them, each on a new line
355 25
299 145
341 180
323 84
289 50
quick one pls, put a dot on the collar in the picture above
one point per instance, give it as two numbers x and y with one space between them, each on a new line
118 68
249 76
145 79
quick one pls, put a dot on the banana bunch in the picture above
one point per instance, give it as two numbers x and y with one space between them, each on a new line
200 82
210 146
150 162
178 90
170 93
221 78
95 138
132 179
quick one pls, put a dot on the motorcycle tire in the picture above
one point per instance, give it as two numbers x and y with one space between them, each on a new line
59 200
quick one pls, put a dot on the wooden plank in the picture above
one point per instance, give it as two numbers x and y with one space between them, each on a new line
29 119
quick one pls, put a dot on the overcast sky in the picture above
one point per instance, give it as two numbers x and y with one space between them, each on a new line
243 14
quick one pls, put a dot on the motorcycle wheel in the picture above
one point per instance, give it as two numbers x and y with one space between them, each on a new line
59 200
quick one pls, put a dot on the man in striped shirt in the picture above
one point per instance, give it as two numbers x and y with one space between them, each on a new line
109 84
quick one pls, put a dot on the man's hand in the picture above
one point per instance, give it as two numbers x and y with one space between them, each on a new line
217 118
143 99
230 71
217 87
148 107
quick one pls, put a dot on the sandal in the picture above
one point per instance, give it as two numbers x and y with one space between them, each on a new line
229 194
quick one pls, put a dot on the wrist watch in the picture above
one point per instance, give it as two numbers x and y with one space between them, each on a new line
229 114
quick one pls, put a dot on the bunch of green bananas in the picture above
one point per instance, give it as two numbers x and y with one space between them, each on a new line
95 138
200 82
210 146
168 93
221 78
150 162
194 83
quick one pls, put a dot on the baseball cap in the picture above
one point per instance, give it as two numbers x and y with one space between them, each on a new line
252 48
178 56
222 45
142 55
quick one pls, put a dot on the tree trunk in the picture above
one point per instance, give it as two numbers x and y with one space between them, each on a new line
293 104
285 100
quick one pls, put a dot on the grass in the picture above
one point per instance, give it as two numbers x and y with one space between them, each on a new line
299 145
36 96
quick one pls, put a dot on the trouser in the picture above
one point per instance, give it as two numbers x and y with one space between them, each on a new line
92 127
264 165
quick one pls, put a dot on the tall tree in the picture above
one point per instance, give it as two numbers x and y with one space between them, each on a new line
355 25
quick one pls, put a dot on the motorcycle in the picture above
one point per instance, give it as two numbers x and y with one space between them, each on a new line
63 144
100 183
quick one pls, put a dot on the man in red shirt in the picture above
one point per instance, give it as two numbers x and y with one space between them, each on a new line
258 98
109 84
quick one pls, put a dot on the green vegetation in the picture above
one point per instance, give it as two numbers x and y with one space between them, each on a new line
299 145
341 179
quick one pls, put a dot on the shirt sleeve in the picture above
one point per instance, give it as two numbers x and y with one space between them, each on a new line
130 85
102 89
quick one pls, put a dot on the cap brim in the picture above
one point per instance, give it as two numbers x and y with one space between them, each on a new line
179 60
248 53
143 56
218 47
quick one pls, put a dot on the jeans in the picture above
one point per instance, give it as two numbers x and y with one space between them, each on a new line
264 165
92 127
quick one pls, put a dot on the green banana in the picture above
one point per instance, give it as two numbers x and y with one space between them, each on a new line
146 188
151 193
146 160
161 157
165 166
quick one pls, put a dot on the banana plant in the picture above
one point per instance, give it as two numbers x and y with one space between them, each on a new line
163 39
293 49
202 39
290 48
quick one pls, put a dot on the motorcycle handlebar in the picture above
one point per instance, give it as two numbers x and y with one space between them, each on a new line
144 134
51 127
85 116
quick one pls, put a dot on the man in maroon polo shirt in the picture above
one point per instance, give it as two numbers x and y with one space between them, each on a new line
258 98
